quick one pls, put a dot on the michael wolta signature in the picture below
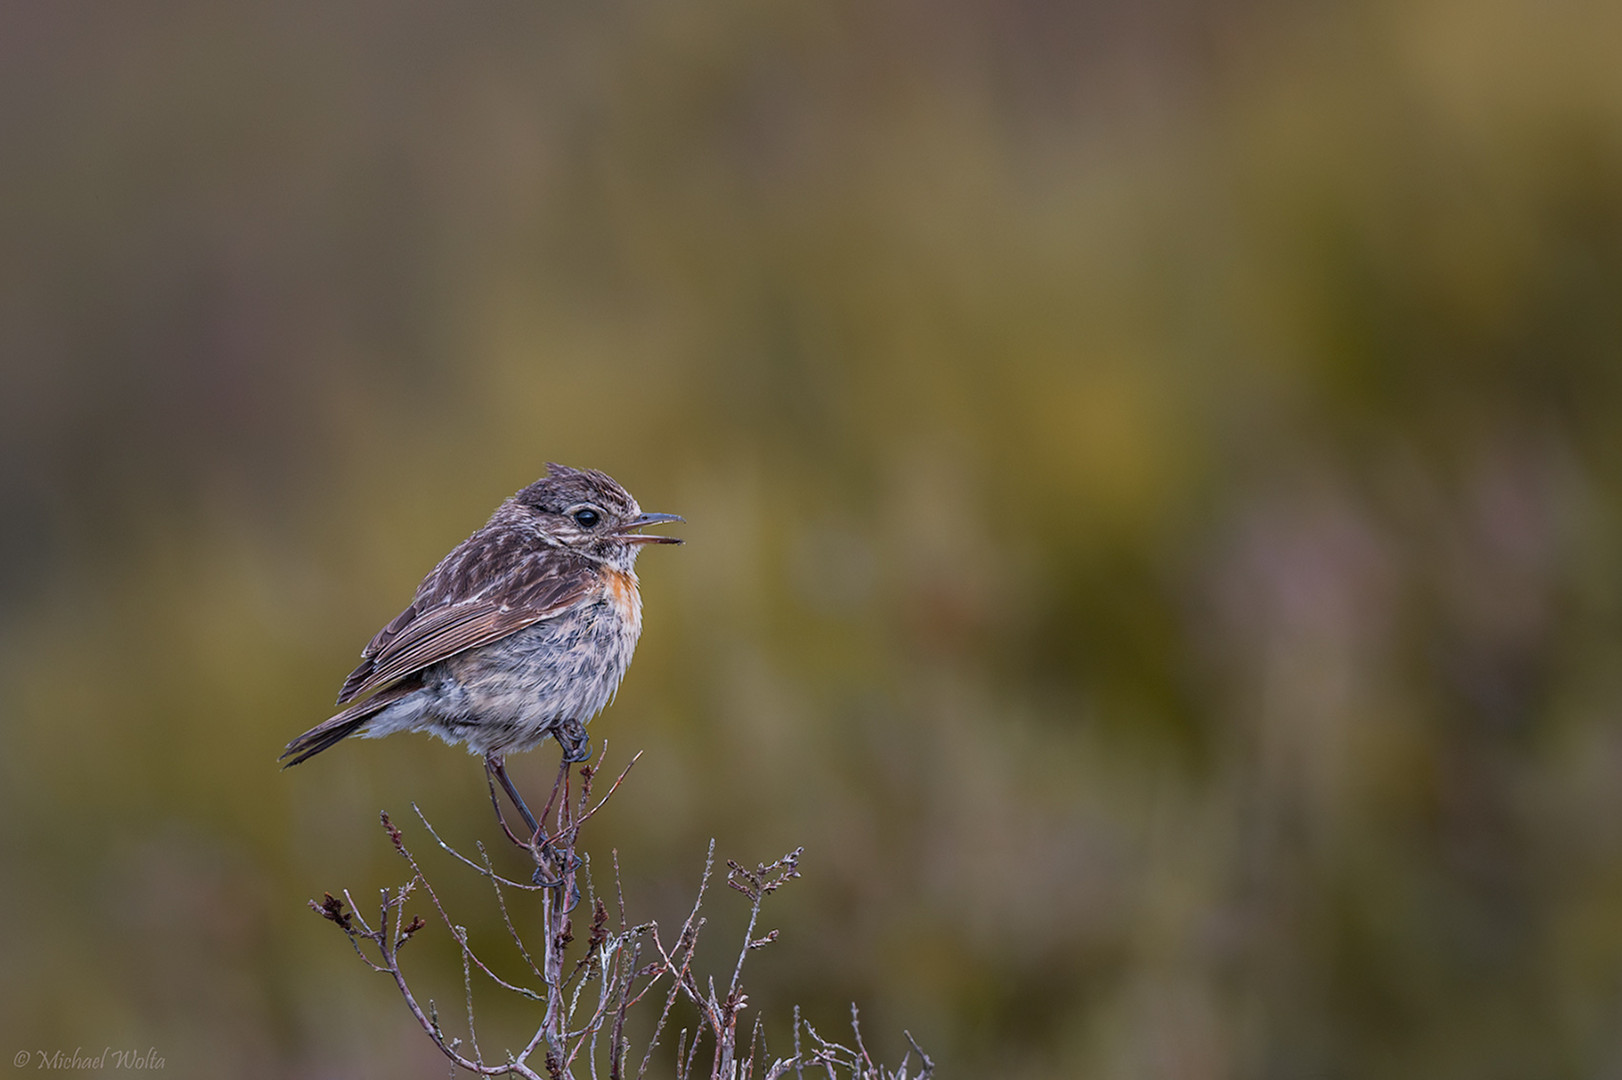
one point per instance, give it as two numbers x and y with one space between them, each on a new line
79 1059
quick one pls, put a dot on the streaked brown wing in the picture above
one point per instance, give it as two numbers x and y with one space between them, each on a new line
444 633
358 677
459 608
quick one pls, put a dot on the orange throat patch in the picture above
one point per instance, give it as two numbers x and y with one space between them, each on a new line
624 594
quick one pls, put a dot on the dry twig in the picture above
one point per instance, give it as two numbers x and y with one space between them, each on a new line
585 1000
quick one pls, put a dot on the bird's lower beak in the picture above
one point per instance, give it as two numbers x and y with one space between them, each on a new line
627 530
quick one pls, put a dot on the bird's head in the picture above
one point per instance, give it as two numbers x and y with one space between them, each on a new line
586 511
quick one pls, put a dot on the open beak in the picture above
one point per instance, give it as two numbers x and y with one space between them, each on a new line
627 530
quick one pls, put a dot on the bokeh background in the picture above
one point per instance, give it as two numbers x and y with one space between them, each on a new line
1154 474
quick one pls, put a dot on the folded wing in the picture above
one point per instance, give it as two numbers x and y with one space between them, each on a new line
474 597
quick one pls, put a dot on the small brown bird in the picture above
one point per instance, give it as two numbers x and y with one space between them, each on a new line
524 630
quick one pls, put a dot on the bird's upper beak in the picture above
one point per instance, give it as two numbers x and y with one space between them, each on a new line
628 529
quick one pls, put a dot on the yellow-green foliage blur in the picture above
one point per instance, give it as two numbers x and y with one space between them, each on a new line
1154 484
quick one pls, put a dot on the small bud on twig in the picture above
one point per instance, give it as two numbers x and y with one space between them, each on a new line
332 908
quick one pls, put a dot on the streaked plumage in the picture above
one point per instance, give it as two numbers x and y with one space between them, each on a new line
524 630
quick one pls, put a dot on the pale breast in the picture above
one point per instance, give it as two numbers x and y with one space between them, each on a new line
565 667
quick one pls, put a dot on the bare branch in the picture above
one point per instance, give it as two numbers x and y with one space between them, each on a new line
590 986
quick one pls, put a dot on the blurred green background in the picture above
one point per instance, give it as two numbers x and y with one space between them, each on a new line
1154 476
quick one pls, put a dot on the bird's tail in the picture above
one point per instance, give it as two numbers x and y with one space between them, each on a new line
345 724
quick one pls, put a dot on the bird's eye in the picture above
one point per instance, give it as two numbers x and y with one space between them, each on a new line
586 517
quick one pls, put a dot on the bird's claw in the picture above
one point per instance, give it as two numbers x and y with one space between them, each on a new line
571 736
566 877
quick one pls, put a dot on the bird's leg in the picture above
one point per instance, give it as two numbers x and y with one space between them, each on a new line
537 842
496 765
569 859
557 786
495 804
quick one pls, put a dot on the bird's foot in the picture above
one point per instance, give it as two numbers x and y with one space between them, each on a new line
564 879
571 736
